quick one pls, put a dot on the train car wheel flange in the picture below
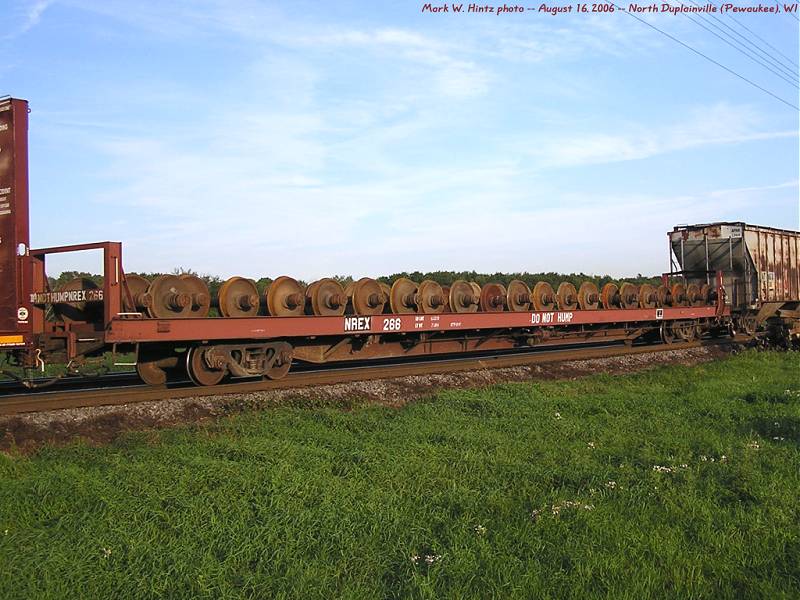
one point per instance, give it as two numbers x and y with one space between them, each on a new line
199 371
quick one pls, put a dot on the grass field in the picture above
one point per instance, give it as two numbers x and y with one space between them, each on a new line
679 482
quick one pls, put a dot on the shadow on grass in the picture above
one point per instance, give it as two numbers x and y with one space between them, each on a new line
784 430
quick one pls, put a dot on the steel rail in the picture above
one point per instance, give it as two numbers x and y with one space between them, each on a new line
141 393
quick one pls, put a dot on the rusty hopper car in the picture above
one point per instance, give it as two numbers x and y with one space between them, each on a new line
760 271
729 275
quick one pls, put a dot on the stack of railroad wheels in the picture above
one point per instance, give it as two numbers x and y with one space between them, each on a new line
187 296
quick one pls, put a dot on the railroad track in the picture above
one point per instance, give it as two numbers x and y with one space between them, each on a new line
326 375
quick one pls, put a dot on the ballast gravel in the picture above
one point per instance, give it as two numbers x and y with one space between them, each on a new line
98 425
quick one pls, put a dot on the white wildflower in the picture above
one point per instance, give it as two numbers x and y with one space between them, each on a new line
611 484
480 529
753 446
558 416
590 445
432 558
106 552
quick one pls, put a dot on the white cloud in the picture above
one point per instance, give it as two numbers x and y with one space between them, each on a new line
706 126
29 14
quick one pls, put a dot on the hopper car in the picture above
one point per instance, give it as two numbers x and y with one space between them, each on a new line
725 277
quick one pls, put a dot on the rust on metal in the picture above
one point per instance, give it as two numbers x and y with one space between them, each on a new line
238 297
518 298
492 298
463 298
285 297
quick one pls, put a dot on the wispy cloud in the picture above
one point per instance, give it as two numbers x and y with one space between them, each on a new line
29 14
716 125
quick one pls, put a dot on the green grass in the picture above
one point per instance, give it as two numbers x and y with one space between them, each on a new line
329 502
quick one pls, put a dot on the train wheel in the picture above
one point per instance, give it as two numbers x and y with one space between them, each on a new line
679 297
647 296
280 368
684 330
155 365
198 369
748 325
170 298
567 296
667 334
151 373
694 296
588 297
446 292
139 298
367 297
708 294
238 297
327 298
518 296
476 288
387 293
403 298
628 296
198 292
609 296
463 298
493 298
663 296
285 298
543 297
430 297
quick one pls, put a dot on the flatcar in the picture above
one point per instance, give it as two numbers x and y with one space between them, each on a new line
725 277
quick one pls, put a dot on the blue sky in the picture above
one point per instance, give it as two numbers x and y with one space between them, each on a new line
365 138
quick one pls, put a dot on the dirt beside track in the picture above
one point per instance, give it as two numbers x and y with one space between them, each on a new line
27 432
